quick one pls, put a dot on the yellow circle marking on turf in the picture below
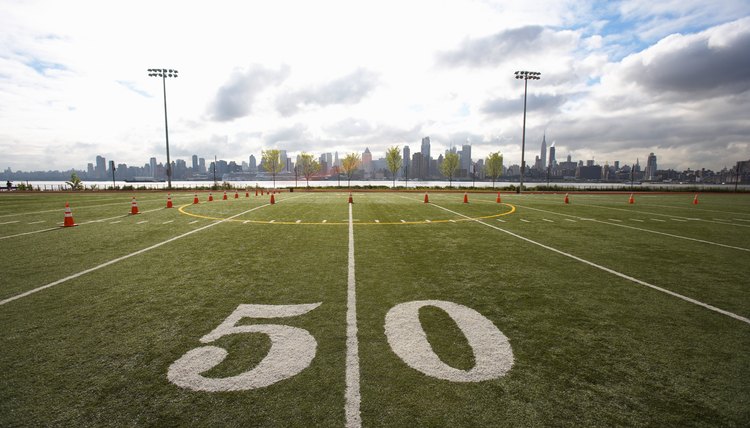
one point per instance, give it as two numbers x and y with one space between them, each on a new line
455 220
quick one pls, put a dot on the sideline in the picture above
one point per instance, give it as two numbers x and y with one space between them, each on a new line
608 270
353 397
639 229
119 259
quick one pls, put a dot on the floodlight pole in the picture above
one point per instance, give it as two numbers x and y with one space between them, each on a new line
164 73
525 75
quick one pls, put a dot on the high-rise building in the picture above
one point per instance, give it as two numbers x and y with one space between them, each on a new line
202 165
650 172
252 164
195 163
407 156
152 164
543 153
465 160
101 167
552 159
426 156
367 162
336 161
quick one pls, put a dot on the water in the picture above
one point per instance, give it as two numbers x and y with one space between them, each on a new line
187 185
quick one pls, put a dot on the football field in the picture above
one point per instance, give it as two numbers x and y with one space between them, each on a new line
388 311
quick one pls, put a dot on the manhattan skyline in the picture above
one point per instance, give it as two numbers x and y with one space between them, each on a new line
619 80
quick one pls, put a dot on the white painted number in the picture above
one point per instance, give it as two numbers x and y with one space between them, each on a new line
292 350
492 352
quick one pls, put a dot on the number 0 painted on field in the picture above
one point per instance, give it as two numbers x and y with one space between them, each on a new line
292 350
492 352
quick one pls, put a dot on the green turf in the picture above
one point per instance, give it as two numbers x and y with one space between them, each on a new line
590 348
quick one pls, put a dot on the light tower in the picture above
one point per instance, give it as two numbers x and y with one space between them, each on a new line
164 73
526 76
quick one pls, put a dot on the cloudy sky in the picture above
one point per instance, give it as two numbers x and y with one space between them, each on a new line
620 79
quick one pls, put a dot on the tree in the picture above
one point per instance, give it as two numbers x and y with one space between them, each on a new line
448 167
350 164
394 161
75 182
493 166
272 163
310 166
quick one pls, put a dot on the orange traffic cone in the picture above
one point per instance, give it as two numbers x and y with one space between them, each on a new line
466 198
236 195
498 200
426 198
273 200
195 199
169 200
631 200
261 192
210 197
695 199
68 217
247 194
225 195
351 201
133 206
256 191
567 200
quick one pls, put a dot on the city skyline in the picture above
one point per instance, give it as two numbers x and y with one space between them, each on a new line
619 80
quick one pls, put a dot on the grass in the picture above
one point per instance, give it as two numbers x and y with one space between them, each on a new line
590 348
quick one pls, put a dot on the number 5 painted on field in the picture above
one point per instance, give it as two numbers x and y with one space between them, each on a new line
292 350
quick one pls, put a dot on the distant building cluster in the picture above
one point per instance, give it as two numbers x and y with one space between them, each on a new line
419 165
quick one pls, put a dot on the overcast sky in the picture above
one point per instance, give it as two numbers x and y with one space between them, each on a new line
619 79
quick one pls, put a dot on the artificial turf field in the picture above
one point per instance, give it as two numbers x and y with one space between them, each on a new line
528 312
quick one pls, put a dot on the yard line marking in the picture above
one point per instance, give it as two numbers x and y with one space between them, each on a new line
36 222
614 219
645 230
115 222
325 221
608 270
10 222
403 221
742 219
168 221
635 219
272 221
119 259
143 221
501 220
548 220
658 219
525 221
571 220
678 219
427 221
353 398
244 222
453 221
721 219
666 215
377 221
29 233
194 221
298 221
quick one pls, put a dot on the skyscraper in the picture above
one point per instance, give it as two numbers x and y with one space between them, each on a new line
252 163
367 162
466 158
426 156
407 156
650 173
543 153
152 165
101 167
195 163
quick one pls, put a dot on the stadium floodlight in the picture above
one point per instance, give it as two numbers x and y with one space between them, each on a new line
526 76
164 73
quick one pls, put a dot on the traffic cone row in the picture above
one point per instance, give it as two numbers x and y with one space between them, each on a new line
68 217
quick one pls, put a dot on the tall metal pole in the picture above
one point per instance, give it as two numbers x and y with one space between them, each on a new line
525 75
166 131
164 73
523 137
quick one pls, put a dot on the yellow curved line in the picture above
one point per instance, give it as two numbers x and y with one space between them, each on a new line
181 209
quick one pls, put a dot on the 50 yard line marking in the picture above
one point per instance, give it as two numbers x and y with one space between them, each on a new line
608 270
353 398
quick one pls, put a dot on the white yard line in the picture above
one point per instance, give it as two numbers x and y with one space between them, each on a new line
194 221
36 222
525 221
642 229
353 398
10 222
606 269
635 219
115 222
28 233
663 215
548 220
119 259
168 221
